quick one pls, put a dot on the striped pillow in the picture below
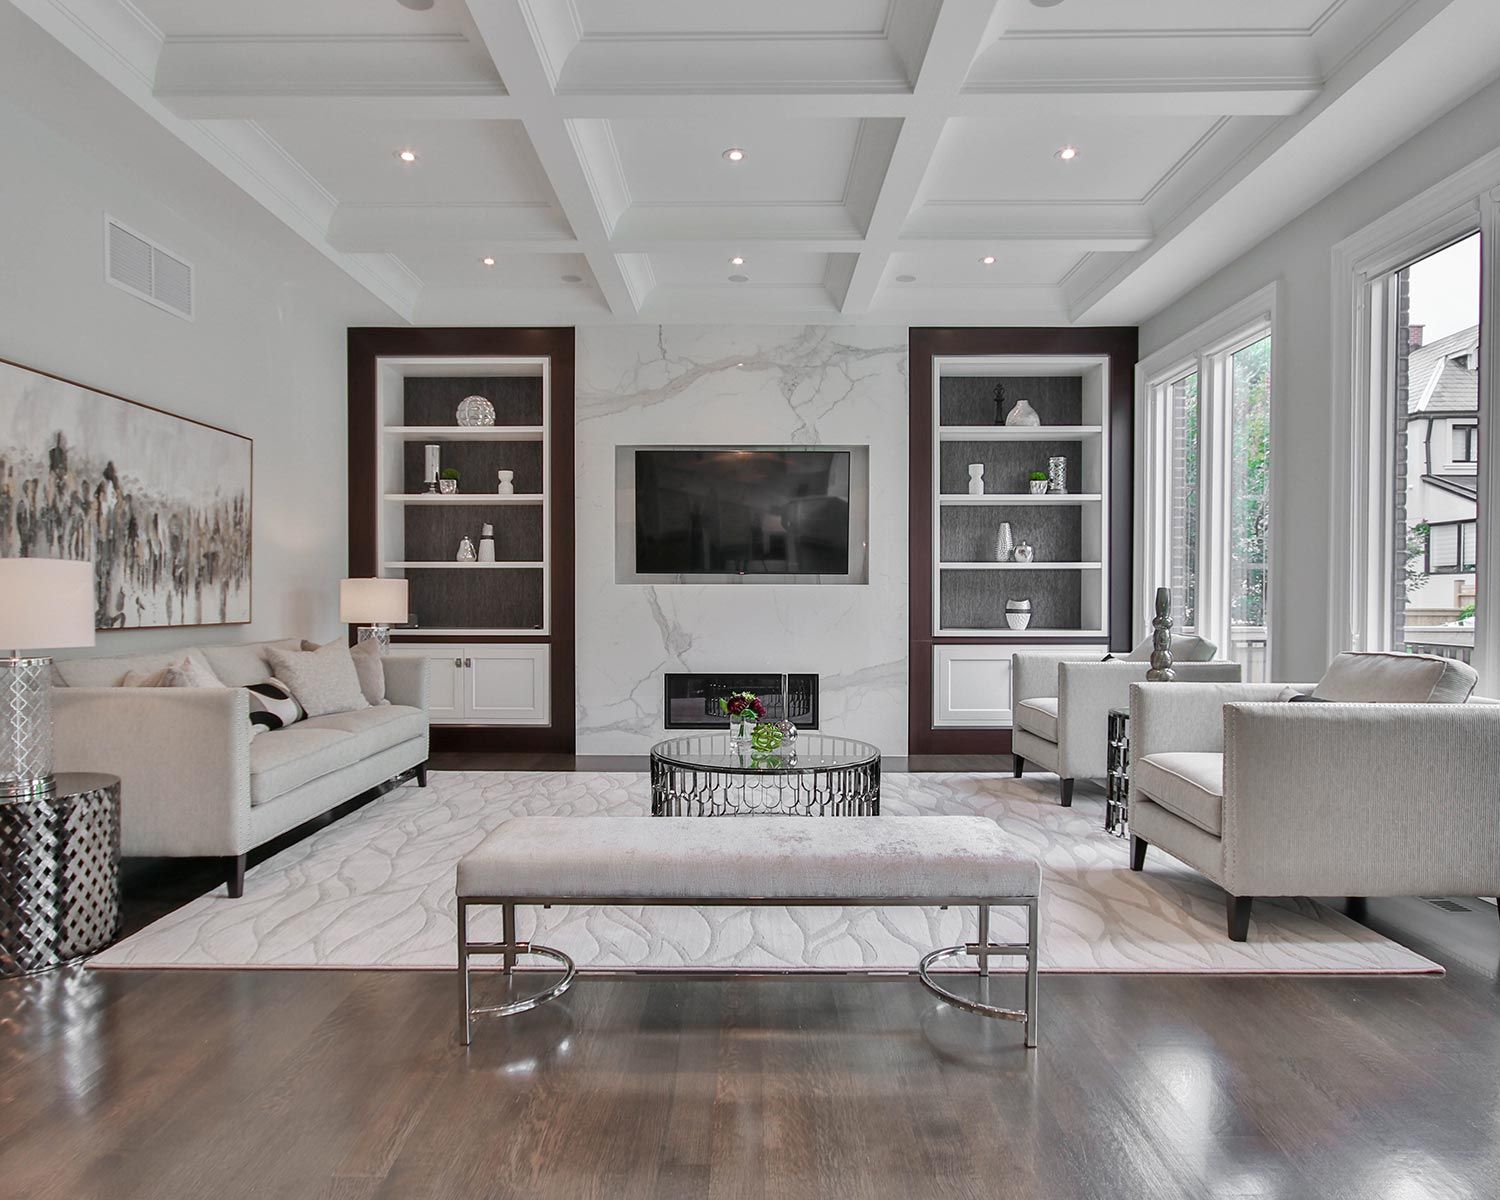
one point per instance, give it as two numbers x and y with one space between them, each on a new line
272 706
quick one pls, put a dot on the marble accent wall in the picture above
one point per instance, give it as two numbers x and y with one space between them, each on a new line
718 385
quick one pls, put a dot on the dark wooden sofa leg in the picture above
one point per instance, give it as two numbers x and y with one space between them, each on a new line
1017 765
1067 793
1137 852
236 875
421 774
1239 917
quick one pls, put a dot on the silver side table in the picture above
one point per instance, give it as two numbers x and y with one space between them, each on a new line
59 873
1117 797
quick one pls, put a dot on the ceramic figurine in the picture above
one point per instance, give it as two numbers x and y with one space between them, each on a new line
976 479
1023 552
1161 639
487 544
507 487
474 411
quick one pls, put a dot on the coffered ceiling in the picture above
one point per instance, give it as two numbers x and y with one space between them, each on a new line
900 158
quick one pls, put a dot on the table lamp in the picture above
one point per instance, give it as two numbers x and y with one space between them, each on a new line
374 605
44 603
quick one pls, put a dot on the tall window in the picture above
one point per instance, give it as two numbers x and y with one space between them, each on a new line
1205 505
1434 400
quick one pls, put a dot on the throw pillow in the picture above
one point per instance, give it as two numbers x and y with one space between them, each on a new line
367 664
192 671
272 706
1387 677
323 681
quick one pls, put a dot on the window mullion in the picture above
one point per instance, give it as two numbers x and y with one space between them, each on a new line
1213 503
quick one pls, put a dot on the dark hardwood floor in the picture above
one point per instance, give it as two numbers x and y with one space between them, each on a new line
350 1085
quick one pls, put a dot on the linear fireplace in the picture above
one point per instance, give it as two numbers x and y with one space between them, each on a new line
691 699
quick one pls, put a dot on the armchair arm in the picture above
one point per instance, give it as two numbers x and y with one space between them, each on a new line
1186 716
1086 691
1362 799
407 680
1034 673
182 755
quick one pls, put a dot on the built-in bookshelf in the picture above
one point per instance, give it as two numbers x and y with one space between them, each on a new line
498 637
1067 579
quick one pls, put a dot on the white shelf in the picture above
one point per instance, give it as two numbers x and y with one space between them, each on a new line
461 498
1022 498
1033 632
1017 566
463 566
1017 433
465 433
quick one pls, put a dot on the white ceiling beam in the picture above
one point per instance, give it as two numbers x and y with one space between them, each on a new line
957 32
520 56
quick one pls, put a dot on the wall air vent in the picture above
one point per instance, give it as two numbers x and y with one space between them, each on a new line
142 268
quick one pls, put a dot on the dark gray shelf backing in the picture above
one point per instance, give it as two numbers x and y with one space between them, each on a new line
976 599
476 464
1006 464
970 399
475 599
434 400
968 534
434 531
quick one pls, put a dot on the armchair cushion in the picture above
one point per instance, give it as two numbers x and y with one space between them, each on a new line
1038 716
1188 784
1391 678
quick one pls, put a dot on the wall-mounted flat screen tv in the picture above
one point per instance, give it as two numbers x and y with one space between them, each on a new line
745 512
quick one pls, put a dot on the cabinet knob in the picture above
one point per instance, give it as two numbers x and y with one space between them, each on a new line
468 662
458 662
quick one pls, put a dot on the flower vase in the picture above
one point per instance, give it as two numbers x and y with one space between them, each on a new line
741 730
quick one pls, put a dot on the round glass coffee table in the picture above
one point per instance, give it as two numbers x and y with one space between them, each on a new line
704 775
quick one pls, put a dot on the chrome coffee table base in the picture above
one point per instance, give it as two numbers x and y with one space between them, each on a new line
707 776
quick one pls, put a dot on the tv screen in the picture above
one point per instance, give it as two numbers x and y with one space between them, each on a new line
742 512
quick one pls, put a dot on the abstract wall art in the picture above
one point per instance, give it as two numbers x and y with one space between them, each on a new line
160 504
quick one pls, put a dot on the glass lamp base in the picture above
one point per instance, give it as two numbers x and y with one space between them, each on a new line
25 726
379 634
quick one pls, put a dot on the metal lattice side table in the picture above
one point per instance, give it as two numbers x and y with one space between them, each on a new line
705 776
59 873
1117 798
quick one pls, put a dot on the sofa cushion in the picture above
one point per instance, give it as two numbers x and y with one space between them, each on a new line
111 672
1039 716
1188 784
323 680
283 759
375 728
1390 678
247 663
1186 647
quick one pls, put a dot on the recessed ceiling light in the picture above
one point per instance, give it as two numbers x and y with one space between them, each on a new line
739 279
487 261
407 156
734 154
416 5
906 279
736 261
988 260
572 278
1068 153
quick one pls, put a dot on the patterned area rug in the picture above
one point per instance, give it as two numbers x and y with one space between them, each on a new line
376 890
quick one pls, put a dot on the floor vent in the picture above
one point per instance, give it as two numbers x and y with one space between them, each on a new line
141 267
1447 905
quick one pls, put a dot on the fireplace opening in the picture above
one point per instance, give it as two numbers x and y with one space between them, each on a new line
691 699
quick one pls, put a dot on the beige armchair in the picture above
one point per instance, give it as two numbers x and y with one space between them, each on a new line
1270 798
1061 704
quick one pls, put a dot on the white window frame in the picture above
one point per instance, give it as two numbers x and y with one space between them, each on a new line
1208 350
1363 462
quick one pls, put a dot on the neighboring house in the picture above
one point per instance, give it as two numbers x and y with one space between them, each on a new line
1442 446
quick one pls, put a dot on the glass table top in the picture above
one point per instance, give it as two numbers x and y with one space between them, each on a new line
810 752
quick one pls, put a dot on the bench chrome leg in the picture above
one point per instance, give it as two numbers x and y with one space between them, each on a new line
983 952
510 939
465 1026
1033 949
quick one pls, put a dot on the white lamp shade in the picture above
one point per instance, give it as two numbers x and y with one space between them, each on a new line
373 601
46 603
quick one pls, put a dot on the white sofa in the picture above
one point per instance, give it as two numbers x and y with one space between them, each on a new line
1356 796
193 780
1062 703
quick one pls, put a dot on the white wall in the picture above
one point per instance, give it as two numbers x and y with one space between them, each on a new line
682 385
265 356
1299 255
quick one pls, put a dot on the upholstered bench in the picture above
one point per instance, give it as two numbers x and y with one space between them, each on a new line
792 861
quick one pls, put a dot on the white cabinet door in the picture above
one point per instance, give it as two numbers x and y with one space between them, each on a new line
508 684
445 677
971 685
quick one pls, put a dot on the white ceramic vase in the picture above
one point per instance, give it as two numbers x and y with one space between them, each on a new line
976 479
506 487
1022 414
